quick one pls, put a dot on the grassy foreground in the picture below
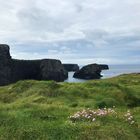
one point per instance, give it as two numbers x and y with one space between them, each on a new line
40 110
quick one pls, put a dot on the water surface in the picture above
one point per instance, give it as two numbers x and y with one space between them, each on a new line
114 70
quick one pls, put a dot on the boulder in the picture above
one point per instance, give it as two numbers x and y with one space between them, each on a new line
91 71
71 67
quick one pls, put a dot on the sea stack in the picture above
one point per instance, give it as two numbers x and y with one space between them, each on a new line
91 71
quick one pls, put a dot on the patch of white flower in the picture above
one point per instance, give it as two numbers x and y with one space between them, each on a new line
129 118
91 115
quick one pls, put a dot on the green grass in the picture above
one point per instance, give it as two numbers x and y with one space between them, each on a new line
39 110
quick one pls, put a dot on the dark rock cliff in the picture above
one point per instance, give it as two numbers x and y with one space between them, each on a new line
52 70
104 67
12 70
5 65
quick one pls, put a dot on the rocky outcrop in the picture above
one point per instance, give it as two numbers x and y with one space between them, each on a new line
91 71
12 70
71 67
104 67
25 69
53 70
5 63
4 52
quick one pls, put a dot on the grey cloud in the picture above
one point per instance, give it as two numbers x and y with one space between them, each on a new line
86 31
40 19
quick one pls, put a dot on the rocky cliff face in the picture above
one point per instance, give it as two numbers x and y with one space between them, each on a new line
12 70
4 52
25 69
5 65
71 67
52 70
91 71
104 67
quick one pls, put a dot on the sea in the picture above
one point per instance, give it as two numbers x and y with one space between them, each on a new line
114 70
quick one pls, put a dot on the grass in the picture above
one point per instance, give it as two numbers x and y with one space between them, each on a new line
39 110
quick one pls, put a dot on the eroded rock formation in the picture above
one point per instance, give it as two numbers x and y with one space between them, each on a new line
53 70
91 71
12 70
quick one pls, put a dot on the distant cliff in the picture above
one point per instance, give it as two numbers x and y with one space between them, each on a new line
71 67
12 70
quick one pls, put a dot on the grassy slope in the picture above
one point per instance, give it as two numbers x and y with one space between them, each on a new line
33 110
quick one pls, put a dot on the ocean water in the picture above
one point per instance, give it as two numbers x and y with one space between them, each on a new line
114 70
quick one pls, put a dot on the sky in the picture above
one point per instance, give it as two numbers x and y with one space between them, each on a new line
74 31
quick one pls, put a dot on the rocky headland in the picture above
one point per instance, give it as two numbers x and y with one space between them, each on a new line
12 70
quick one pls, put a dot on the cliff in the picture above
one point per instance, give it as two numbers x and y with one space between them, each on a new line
12 70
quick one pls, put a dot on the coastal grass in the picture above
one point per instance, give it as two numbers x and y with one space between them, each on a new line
40 110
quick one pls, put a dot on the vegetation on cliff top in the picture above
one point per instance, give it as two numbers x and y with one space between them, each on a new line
43 110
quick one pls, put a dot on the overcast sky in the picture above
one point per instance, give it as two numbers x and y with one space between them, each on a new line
74 31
